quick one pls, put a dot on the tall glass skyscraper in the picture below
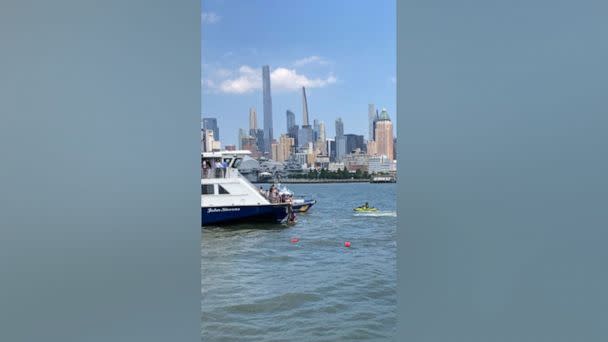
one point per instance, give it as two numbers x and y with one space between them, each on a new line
304 108
267 108
339 127
371 117
291 120
211 124
253 119
340 140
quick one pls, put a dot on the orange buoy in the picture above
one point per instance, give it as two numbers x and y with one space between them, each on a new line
347 244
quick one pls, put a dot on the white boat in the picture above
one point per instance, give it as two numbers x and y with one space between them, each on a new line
228 197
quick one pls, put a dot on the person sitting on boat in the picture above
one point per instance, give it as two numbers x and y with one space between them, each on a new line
365 206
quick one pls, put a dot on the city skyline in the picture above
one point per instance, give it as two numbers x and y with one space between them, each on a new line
342 69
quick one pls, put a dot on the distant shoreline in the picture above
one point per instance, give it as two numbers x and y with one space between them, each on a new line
318 181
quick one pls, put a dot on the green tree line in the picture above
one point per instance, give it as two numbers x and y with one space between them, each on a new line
339 174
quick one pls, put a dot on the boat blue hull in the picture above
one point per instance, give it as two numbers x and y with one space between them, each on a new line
272 213
303 207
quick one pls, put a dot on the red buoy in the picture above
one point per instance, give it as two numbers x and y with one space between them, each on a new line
294 240
347 244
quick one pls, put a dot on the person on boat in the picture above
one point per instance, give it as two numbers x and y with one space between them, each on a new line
291 218
365 206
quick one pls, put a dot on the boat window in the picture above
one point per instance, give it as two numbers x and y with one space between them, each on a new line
237 162
223 191
207 189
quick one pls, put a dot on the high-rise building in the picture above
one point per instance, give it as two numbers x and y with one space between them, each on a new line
253 119
267 108
353 142
209 143
293 133
339 127
340 140
384 135
291 120
248 143
371 116
241 136
322 131
284 148
304 108
211 124
258 135
371 148
305 136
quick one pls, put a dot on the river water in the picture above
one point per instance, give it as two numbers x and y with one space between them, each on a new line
258 285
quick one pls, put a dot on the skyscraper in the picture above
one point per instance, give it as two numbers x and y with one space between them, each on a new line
304 108
339 127
340 140
384 135
371 111
267 108
241 136
253 119
322 130
291 120
211 124
353 142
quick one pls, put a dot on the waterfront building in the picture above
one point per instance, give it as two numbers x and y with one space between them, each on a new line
356 161
335 167
321 161
380 164
211 124
301 158
230 148
267 108
384 135
253 119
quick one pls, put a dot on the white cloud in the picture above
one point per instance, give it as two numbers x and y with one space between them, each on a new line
248 79
289 79
311 60
210 17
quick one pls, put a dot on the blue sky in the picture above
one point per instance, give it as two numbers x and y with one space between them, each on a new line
343 51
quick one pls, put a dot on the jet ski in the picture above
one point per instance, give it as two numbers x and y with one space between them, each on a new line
364 209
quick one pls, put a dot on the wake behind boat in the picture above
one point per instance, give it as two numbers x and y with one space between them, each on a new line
228 197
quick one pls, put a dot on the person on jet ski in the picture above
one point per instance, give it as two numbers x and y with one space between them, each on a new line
365 206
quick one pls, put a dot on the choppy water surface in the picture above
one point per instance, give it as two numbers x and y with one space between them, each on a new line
259 286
